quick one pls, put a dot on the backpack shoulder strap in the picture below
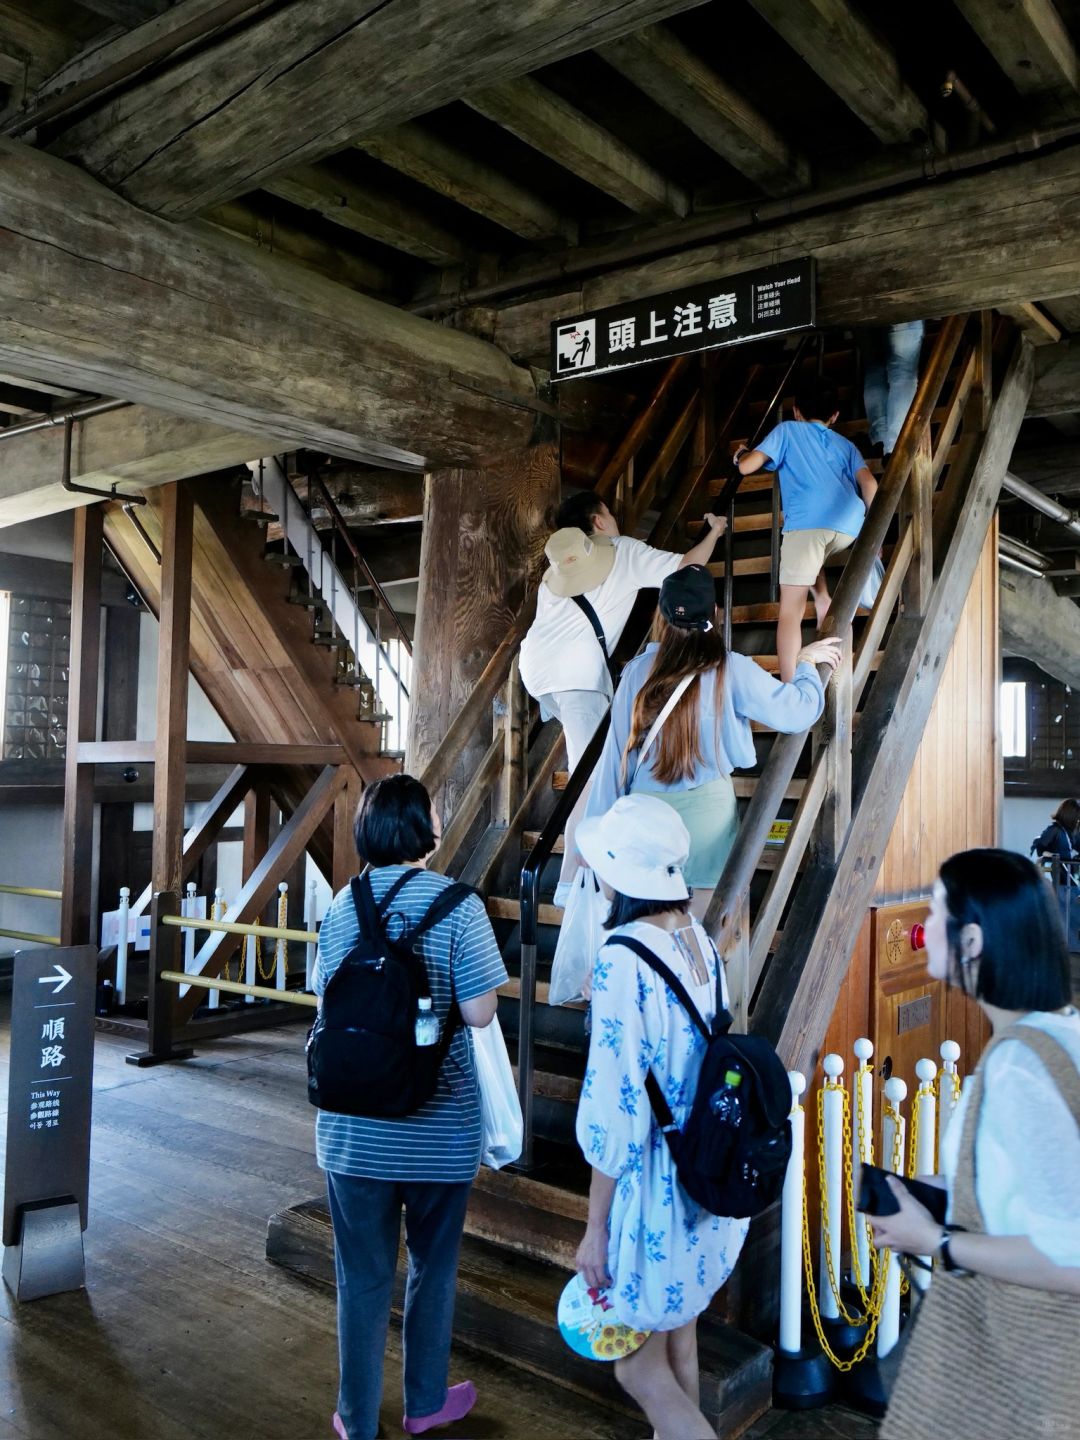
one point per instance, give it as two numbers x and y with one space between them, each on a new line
670 979
444 904
371 913
586 608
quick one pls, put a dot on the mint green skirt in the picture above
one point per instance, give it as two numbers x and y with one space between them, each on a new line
711 815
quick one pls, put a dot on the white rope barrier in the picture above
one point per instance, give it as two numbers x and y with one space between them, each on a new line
862 1147
833 1189
893 1129
791 1211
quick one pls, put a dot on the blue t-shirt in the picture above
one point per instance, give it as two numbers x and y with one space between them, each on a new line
441 1140
817 471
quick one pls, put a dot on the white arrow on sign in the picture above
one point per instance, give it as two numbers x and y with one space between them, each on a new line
58 981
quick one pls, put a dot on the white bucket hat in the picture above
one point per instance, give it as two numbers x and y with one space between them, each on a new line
579 562
639 848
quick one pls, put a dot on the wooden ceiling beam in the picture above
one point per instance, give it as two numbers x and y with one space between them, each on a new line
429 160
559 130
322 72
31 46
977 241
1029 41
138 448
1033 320
368 211
98 294
1057 380
658 63
835 41
126 12
256 222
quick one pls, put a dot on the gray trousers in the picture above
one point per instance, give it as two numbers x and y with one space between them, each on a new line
367 1227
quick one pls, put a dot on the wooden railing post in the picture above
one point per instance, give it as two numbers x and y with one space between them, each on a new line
165 954
512 724
918 506
835 740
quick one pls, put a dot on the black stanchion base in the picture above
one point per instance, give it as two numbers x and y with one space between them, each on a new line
844 1339
863 1389
802 1380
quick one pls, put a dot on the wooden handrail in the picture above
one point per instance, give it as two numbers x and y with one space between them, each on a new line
641 428
741 864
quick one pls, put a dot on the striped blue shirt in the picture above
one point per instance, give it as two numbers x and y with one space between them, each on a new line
441 1140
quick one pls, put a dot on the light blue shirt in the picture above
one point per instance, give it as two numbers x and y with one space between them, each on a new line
817 470
441 1140
727 743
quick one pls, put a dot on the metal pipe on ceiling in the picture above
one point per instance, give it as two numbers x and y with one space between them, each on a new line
1017 550
1011 564
576 264
58 421
1053 509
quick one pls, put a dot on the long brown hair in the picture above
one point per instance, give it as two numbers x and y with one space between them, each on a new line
677 753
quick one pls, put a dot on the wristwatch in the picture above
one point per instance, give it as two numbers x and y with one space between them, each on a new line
945 1253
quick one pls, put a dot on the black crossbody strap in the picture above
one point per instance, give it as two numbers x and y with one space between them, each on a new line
586 608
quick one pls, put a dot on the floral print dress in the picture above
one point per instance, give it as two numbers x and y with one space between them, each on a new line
666 1255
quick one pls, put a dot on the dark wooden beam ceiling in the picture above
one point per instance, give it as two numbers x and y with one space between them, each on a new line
96 293
1057 380
126 12
1029 41
658 63
195 133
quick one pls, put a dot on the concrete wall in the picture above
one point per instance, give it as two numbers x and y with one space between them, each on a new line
1023 817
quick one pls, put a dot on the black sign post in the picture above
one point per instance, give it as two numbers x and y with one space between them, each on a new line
772 301
47 1174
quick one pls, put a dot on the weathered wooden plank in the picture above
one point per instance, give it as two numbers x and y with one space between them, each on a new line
951 245
1033 320
1057 380
197 132
170 744
368 211
1030 42
426 158
558 129
852 59
126 12
38 47
257 222
672 75
268 347
800 989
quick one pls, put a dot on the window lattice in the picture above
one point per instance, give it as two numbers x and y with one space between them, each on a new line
35 710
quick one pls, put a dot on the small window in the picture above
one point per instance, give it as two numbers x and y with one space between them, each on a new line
1014 718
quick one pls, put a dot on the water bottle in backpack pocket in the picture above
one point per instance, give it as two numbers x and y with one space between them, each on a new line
375 1048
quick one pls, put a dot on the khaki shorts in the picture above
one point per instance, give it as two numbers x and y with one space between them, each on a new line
803 554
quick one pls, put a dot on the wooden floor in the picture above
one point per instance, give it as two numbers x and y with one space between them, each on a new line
184 1330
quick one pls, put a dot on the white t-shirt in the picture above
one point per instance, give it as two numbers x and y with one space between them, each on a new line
1027 1149
561 651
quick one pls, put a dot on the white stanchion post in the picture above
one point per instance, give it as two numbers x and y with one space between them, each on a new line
311 922
217 910
833 1197
282 945
947 1092
251 952
893 1132
791 1226
924 1111
187 910
862 1150
122 946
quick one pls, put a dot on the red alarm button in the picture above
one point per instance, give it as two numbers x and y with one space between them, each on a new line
918 937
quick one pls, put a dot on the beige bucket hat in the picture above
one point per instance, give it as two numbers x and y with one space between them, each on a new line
579 562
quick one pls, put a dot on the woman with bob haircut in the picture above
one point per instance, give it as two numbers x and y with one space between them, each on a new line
989 1353
1059 837
425 1162
707 735
660 1256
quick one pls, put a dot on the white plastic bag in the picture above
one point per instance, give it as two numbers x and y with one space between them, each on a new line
580 938
872 586
500 1110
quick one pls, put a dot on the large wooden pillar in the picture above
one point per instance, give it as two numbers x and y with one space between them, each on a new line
484 533
82 725
170 739
116 856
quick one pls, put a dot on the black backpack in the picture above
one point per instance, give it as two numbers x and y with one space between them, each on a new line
729 1169
362 1055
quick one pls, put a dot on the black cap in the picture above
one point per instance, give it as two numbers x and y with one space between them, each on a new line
688 598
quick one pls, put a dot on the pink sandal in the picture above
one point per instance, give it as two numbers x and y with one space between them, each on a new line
460 1399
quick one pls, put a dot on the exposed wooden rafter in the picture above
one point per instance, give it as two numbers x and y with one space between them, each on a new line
190 136
429 160
658 63
257 222
1033 320
30 48
1029 41
834 39
268 347
1057 380
126 12
553 126
368 211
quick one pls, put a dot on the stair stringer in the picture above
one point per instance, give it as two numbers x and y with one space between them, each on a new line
802 983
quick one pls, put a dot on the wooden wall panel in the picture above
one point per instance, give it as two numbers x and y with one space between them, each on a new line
952 797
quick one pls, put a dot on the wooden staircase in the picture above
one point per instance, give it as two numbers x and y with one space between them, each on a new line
785 917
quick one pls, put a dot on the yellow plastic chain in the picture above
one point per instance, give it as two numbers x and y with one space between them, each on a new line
871 1302
281 953
889 1110
853 1221
878 1295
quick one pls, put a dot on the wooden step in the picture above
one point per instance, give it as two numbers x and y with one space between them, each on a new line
503 908
506 1303
511 989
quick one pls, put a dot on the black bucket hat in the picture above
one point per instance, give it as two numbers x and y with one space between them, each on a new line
688 598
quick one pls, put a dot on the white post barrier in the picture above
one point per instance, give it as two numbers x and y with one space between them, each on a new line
122 946
187 910
862 1151
311 922
924 1118
251 952
892 1153
217 910
948 1091
791 1226
833 1196
282 949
